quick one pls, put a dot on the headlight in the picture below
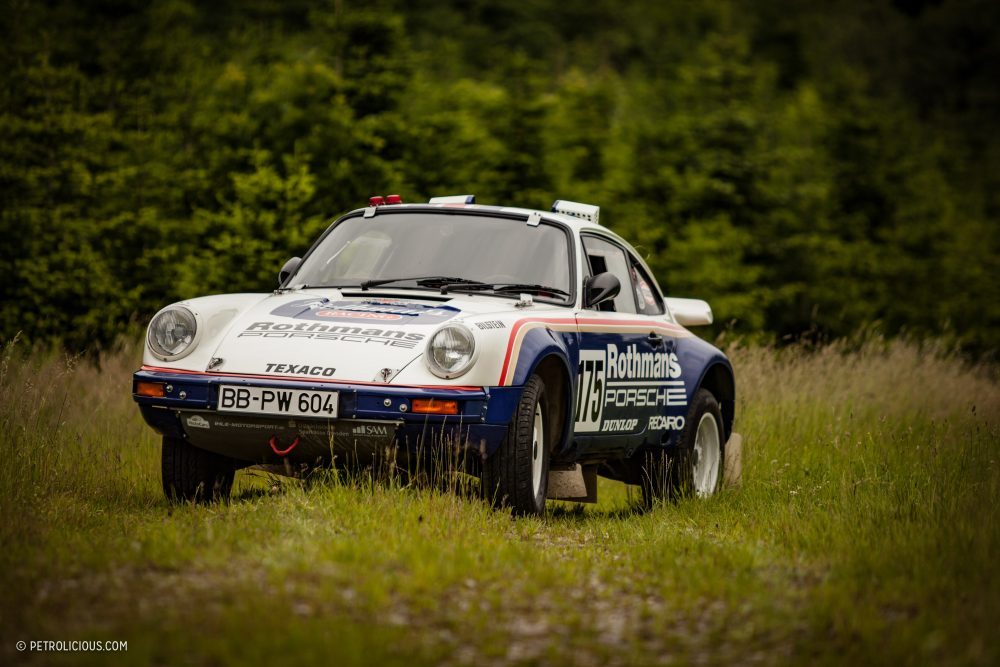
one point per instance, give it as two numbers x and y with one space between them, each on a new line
451 351
172 333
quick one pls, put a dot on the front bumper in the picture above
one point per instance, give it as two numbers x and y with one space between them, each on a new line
370 418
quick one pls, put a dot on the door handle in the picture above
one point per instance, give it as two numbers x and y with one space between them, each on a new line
657 341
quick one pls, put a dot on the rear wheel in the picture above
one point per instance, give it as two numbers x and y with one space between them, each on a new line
697 465
190 473
517 474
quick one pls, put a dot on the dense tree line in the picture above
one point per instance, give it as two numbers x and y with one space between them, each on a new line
807 167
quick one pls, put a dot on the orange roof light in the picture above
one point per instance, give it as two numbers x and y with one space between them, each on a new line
434 406
151 389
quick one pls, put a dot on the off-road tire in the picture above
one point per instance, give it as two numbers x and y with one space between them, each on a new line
670 475
193 474
507 474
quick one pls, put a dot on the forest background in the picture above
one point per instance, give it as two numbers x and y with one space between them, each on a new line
809 168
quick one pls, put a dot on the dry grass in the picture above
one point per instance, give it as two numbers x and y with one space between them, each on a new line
865 530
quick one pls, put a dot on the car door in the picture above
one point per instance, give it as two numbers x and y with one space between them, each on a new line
667 412
620 367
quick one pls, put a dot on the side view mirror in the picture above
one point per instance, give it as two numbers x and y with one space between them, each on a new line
600 288
689 312
288 269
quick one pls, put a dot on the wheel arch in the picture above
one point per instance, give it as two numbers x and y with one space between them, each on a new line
719 380
553 369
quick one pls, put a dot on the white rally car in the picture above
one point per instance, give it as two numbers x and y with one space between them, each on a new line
535 343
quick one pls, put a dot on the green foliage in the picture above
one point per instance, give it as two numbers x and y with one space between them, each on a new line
805 168
250 235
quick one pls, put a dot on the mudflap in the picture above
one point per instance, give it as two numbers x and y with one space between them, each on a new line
733 475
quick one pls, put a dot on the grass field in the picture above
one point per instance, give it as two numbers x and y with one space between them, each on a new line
866 530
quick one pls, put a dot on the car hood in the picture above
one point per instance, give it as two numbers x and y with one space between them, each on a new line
339 336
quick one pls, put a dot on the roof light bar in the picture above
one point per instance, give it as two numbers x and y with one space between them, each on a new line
575 209
376 201
393 199
453 199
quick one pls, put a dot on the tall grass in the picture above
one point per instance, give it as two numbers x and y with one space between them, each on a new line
865 530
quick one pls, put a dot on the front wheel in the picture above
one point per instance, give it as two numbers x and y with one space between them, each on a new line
697 464
517 474
193 474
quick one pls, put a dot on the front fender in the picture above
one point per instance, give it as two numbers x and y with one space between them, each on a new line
552 355
215 315
540 343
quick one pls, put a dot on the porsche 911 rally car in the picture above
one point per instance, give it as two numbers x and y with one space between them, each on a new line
536 342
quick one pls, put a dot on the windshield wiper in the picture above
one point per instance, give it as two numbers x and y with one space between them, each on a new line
507 287
444 283
317 287
423 281
524 287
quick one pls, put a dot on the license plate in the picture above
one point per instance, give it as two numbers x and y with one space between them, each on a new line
271 401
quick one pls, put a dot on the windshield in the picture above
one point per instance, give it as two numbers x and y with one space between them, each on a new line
405 247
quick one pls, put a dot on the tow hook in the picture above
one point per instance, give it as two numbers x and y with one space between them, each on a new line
282 452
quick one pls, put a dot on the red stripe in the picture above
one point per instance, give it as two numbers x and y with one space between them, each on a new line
513 334
302 379
581 323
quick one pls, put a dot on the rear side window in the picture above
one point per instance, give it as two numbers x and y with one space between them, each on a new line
606 256
646 295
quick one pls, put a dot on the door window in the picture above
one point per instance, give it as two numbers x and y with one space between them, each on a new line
606 256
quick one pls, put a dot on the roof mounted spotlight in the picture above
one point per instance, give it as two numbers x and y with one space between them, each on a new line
453 199
575 209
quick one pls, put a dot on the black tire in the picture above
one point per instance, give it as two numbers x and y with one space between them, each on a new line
507 479
193 474
671 476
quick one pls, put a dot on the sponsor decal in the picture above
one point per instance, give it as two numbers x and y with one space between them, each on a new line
622 425
197 421
590 391
371 430
347 334
644 396
643 289
245 425
635 365
637 378
350 315
665 423
294 369
491 324
378 310
618 381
